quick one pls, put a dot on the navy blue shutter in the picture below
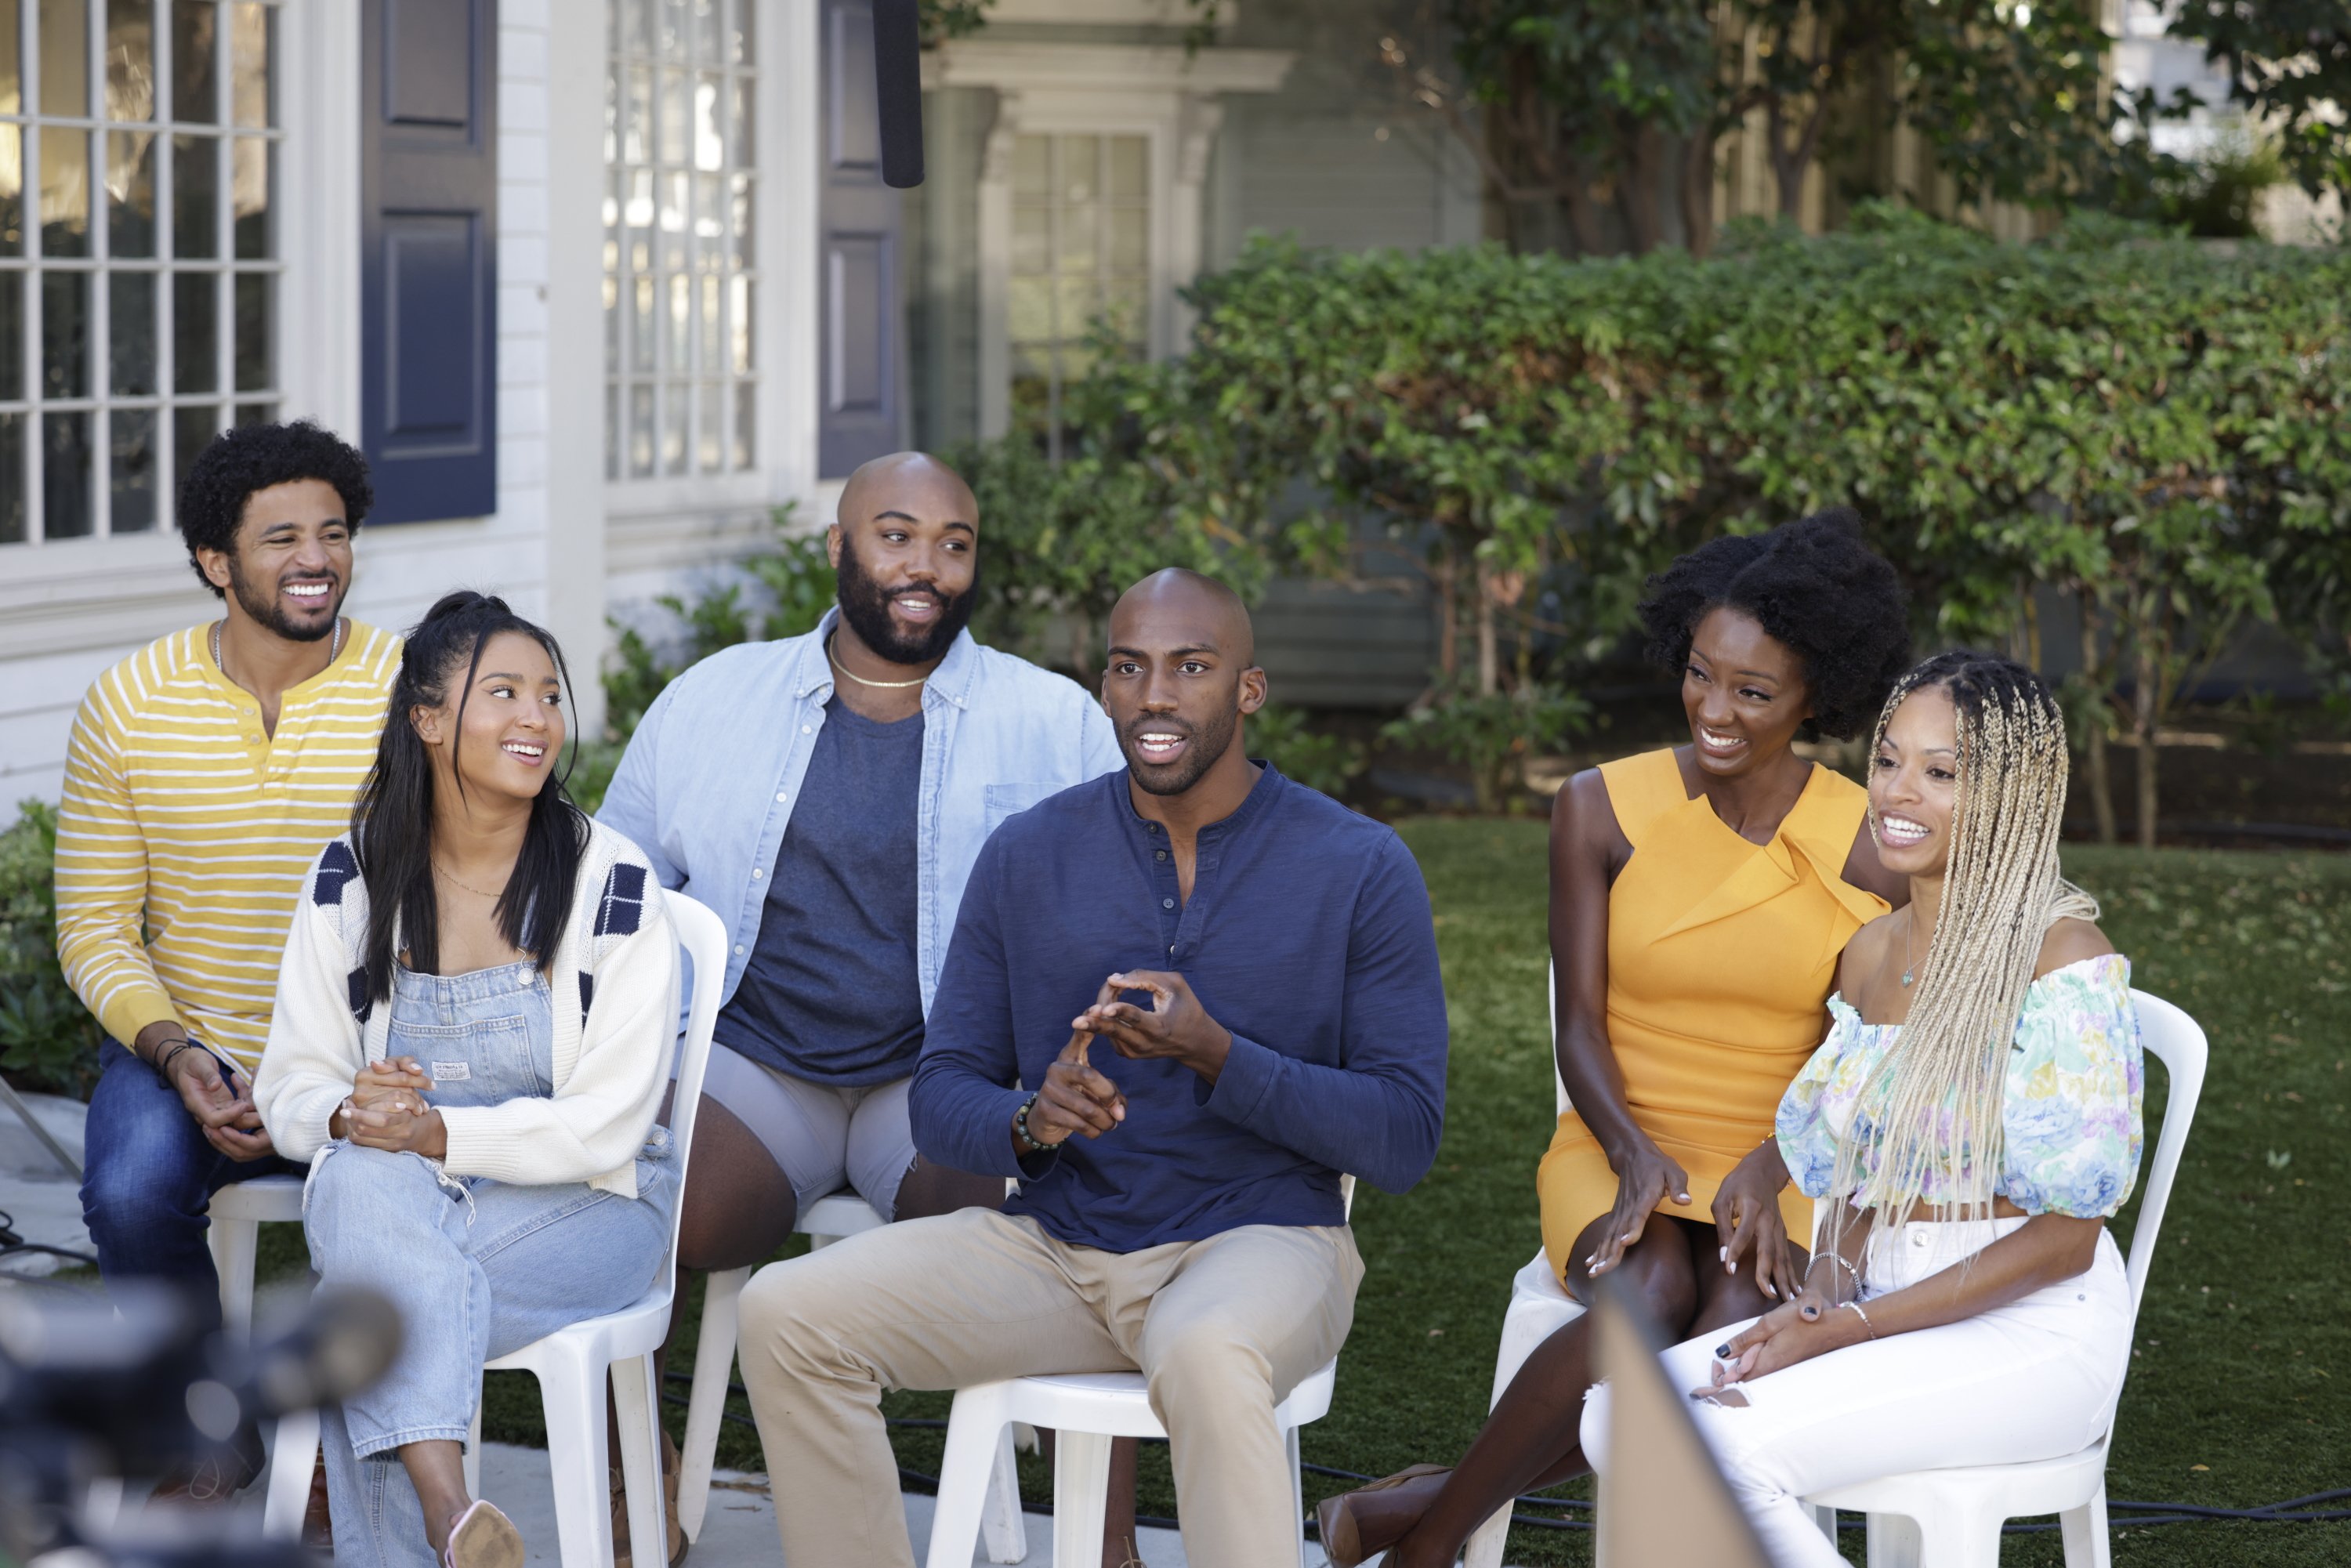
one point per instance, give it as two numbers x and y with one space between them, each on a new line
860 396
428 246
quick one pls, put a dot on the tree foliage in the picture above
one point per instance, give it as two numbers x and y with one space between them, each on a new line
2289 64
1631 98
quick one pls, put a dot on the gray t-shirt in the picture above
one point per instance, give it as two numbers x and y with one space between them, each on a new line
830 993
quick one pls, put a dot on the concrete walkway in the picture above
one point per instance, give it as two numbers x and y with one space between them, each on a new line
42 1199
740 1526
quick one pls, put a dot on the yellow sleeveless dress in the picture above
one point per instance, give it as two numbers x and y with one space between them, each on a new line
1721 954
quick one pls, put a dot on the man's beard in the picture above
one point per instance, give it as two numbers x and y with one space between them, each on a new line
865 605
1209 745
264 607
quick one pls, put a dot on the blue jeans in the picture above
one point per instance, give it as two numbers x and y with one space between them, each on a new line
148 1176
475 1268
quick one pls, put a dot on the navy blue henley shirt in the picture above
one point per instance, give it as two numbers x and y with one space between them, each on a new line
1307 935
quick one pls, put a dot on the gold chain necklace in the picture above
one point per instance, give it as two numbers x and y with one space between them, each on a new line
476 892
334 648
861 680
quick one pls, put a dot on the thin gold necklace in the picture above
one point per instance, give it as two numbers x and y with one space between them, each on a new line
477 892
861 680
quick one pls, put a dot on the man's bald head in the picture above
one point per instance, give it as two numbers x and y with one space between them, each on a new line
914 482
906 549
1196 599
1182 672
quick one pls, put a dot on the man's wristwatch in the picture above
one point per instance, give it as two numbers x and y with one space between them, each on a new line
1029 1142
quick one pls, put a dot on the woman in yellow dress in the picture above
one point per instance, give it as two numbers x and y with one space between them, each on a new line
1699 897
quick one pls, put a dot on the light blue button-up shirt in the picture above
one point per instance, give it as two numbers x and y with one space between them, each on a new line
707 784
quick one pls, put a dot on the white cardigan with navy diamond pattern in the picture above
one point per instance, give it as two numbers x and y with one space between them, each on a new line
615 1003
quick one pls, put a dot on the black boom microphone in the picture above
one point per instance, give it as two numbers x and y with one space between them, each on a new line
898 90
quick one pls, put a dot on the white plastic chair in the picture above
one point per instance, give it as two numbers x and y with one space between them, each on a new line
1540 1307
239 1212
1952 1518
573 1364
1086 1411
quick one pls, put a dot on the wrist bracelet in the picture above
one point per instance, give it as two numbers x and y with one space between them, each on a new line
1863 1317
164 1062
1020 1128
1819 1257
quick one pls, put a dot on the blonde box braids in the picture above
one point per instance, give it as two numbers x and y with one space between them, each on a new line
1931 1120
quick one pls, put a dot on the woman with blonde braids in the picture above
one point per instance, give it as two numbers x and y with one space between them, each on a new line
1969 1123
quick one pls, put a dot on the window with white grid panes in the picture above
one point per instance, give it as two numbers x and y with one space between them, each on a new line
1080 256
681 280
139 269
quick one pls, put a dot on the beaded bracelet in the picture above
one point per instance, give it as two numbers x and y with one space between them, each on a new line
1863 1317
1020 1128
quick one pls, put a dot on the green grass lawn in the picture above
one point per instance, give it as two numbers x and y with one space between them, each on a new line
2239 1384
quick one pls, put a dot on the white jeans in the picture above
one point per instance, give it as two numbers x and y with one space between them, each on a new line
2031 1380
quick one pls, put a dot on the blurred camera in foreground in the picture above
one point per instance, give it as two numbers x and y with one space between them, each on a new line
95 1391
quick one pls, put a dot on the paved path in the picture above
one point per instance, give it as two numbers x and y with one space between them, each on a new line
42 1199
740 1527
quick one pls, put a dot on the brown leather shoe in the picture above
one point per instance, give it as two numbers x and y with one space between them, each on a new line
317 1523
1356 1524
623 1549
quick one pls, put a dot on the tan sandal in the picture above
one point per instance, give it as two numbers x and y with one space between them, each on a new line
482 1538
1347 1538
623 1549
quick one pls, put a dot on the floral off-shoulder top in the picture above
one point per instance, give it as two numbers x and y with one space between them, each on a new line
2075 1077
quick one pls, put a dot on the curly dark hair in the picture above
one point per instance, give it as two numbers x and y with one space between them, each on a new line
1814 586
250 457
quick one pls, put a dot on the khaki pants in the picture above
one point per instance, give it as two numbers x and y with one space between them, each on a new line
1222 1330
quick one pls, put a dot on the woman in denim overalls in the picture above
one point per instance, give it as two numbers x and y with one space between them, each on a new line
474 1084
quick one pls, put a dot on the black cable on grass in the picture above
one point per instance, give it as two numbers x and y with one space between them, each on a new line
11 1244
2294 1511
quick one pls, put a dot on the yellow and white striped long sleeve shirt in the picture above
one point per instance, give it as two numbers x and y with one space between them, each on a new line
185 830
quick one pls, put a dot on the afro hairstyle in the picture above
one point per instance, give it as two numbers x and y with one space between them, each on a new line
250 457
1812 585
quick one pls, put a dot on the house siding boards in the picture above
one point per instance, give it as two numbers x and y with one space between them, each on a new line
1310 160
60 628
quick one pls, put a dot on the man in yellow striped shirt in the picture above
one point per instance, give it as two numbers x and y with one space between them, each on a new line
205 774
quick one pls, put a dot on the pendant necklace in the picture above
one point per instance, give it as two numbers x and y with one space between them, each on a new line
1908 924
861 680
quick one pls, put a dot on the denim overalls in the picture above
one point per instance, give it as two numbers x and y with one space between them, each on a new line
476 1268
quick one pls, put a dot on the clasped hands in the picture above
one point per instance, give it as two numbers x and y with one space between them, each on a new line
386 1109
1077 1100
1797 1330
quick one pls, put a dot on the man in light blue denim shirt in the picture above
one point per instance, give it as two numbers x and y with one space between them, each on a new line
827 795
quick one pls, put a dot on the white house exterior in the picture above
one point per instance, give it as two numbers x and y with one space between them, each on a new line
565 526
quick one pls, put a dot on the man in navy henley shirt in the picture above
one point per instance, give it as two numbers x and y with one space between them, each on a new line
1219 992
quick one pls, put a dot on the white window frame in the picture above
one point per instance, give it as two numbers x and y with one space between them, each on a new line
725 512
61 598
1167 94
28 268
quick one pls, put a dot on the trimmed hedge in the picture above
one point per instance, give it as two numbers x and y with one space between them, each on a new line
2157 427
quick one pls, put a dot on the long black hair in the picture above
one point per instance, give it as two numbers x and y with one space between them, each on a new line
391 822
